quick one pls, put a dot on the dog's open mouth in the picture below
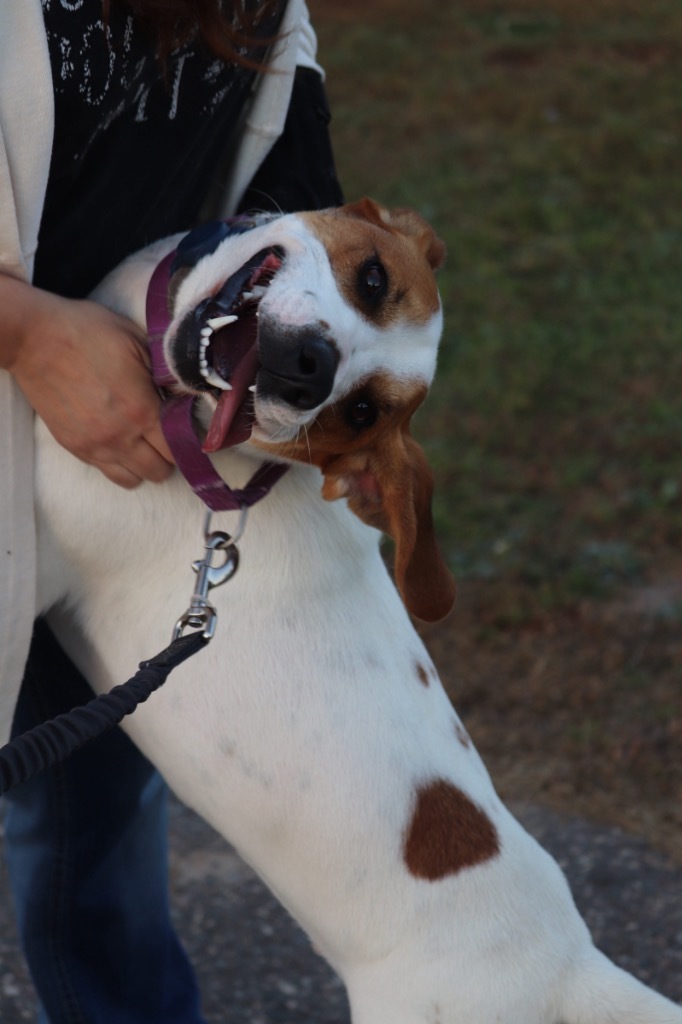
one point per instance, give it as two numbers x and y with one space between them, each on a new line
215 348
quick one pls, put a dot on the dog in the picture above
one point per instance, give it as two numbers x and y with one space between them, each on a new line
313 731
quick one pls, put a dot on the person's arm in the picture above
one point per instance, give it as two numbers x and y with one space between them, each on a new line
85 371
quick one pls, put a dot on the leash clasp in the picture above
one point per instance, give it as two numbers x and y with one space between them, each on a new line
201 614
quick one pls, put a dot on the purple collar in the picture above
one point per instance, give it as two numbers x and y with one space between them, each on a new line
177 416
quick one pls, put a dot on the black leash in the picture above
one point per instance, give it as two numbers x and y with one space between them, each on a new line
53 741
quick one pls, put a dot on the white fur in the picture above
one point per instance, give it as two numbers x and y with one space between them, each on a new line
302 731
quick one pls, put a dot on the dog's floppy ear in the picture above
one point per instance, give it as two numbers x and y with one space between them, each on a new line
390 487
401 219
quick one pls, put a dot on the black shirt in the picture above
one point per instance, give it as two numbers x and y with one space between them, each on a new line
134 150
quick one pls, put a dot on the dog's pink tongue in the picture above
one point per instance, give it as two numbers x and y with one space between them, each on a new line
219 428
232 420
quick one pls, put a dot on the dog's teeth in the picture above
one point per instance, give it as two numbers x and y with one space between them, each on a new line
216 322
252 388
258 291
211 377
206 371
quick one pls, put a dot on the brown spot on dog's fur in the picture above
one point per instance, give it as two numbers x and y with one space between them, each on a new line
423 675
383 473
332 436
462 735
398 240
447 833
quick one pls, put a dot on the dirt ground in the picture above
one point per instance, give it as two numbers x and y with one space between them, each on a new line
579 711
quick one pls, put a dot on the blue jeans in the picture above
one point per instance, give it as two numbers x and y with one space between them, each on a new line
86 846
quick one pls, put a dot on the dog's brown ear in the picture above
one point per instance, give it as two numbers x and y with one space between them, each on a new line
391 489
407 222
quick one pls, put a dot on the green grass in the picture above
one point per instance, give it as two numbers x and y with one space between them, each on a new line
544 143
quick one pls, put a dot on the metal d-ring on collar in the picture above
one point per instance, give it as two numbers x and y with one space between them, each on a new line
201 614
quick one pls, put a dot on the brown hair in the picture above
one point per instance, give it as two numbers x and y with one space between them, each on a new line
226 29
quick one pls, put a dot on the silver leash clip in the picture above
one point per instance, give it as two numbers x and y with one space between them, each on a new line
201 614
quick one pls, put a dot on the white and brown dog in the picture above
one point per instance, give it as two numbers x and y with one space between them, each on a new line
313 732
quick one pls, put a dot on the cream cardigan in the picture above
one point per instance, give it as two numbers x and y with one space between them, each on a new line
26 128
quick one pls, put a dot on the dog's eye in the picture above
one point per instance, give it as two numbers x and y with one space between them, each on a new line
373 279
361 413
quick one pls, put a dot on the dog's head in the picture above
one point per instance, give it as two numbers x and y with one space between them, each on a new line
315 337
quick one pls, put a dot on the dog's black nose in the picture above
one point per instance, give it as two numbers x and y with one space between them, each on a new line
297 368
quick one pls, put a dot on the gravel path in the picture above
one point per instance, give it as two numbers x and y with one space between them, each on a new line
256 967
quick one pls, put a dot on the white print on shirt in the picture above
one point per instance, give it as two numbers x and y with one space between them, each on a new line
93 66
176 85
93 90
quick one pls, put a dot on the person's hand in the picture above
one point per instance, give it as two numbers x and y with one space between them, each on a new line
85 371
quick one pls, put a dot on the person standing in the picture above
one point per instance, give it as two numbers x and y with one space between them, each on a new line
121 121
